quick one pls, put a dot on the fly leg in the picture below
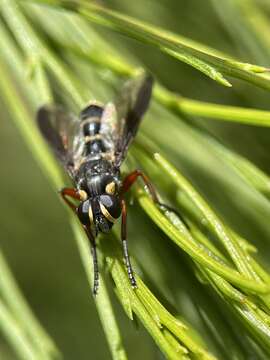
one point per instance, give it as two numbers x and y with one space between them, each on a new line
130 180
94 257
132 177
125 246
73 193
79 195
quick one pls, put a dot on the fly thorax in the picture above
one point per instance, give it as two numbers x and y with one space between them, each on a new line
102 184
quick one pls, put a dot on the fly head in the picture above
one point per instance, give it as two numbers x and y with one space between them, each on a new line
103 206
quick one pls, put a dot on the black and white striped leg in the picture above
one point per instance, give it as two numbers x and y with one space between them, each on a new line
96 271
125 246
75 195
95 260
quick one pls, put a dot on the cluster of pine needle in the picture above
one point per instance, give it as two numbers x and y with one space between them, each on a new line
203 285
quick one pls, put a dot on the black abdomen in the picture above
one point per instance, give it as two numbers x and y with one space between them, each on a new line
91 117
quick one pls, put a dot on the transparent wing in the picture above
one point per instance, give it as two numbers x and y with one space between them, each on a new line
131 106
61 130
109 127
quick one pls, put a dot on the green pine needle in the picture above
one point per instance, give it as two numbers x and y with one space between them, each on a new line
224 281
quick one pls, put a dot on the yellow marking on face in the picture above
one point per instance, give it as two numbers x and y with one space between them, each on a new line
83 195
106 213
110 188
90 214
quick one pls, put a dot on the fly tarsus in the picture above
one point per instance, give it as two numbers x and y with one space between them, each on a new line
130 180
177 213
96 271
125 245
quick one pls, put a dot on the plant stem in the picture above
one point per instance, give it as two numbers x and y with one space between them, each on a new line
48 166
16 336
207 63
22 313
212 111
104 305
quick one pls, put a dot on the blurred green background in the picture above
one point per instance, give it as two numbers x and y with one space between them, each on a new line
35 234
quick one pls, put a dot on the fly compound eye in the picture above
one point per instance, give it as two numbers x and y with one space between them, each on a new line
110 207
84 212
110 188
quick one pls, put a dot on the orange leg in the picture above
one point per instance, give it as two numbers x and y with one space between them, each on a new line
73 193
132 177
130 180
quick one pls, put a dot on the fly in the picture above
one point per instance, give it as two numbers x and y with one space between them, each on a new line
91 147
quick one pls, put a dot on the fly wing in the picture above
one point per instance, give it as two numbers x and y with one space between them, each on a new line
60 129
131 106
109 127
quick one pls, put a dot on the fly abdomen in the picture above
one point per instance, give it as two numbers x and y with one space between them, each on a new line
91 118
95 146
91 128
